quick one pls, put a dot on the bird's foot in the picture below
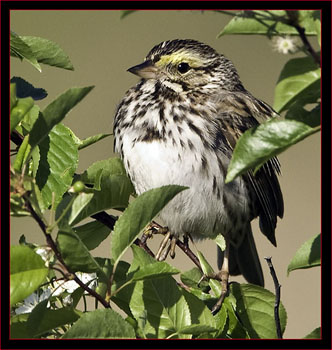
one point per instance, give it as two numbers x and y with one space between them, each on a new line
167 245
223 277
154 228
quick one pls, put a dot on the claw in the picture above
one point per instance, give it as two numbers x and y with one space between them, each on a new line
172 246
223 276
163 245
201 279
165 253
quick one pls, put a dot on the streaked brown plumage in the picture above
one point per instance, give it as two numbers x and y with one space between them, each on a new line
179 125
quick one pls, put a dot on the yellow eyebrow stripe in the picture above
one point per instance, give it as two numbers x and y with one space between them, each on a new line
178 57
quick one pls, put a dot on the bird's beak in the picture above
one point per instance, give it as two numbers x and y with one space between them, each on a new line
144 70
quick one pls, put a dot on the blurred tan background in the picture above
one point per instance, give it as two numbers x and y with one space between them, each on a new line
101 48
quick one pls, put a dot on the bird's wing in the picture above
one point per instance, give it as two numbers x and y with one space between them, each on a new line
238 112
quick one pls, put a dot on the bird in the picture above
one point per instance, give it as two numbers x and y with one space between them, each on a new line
179 125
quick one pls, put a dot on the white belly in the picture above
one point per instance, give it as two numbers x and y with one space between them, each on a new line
196 210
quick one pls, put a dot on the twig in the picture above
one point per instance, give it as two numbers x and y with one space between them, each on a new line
307 45
143 245
189 253
277 299
109 221
293 21
53 246
106 219
16 137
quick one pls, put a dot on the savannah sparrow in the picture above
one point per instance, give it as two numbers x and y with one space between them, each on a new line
179 125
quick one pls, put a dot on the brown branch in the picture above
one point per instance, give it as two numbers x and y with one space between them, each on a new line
277 300
106 219
189 253
307 45
109 221
143 245
53 246
293 21
16 137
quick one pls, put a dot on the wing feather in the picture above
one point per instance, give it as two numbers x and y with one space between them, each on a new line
237 112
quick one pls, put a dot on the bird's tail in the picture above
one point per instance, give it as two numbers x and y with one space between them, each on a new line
244 260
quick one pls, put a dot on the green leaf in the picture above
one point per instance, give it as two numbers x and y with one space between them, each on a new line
200 316
255 309
197 329
155 269
22 107
315 334
48 52
34 163
308 255
299 79
139 213
17 205
27 272
57 164
91 140
233 328
18 329
160 308
268 23
18 48
221 319
311 118
110 166
22 154
161 311
92 233
318 28
75 254
208 270
122 296
76 204
308 20
42 319
193 277
36 198
104 277
262 142
97 324
220 241
55 112
13 98
29 119
76 296
141 259
112 187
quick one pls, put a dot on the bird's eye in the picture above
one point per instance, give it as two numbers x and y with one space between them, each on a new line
183 67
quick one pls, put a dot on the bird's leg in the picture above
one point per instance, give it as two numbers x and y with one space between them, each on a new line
186 241
173 245
154 228
162 247
164 254
223 276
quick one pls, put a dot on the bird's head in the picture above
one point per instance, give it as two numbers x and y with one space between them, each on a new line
183 65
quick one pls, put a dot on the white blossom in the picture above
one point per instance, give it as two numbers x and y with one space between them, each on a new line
46 254
70 286
32 301
68 300
284 44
